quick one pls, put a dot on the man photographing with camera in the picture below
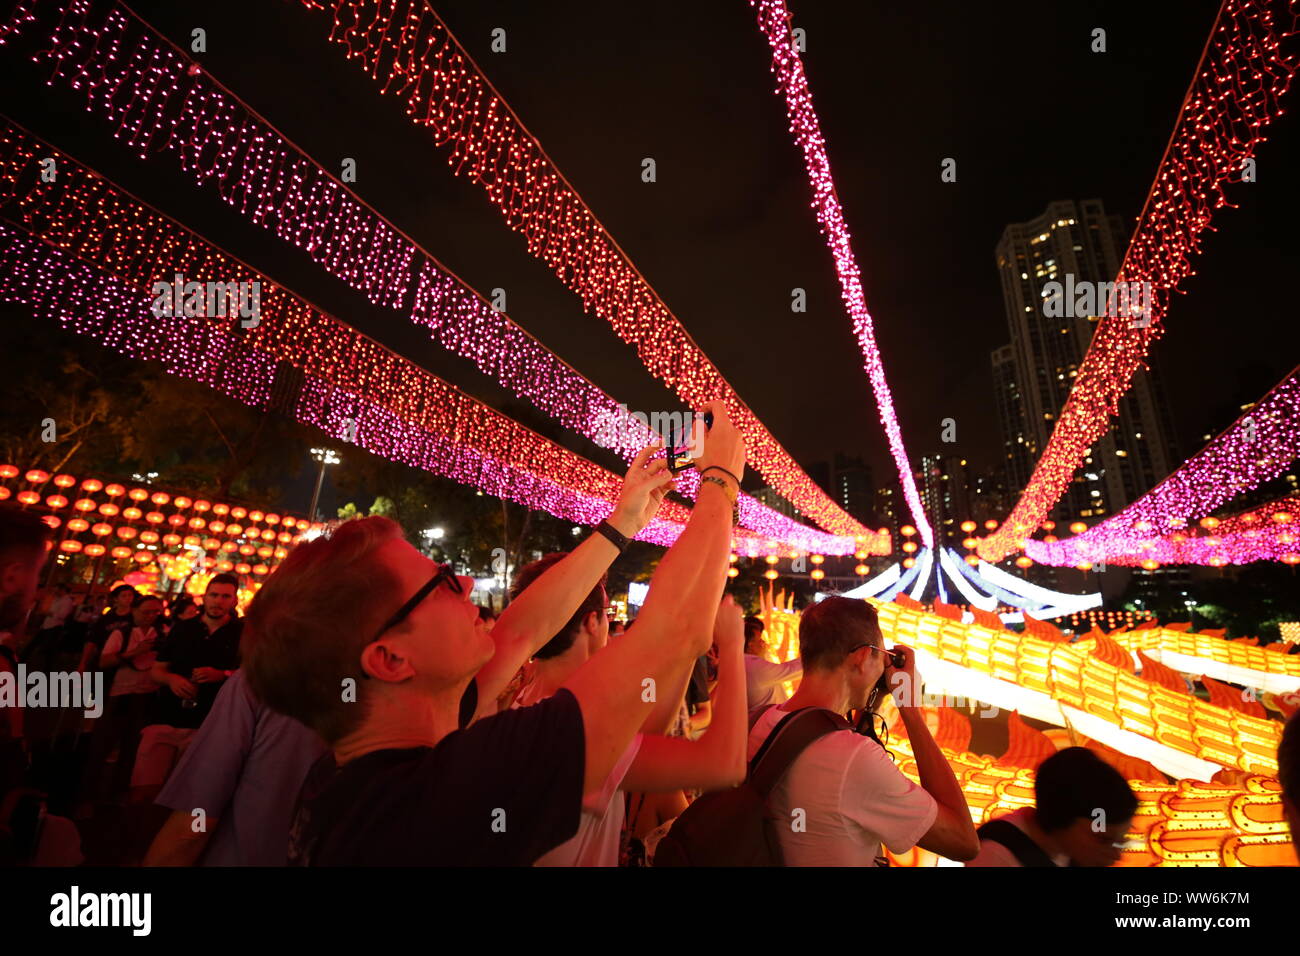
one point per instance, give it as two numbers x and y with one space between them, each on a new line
842 796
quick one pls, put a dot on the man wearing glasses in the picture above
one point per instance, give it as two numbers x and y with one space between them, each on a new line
842 796
367 642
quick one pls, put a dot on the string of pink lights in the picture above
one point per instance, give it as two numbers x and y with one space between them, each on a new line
1158 527
394 408
1234 97
407 48
774 20
463 440
161 103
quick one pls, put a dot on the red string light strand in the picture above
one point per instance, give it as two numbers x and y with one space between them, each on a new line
1234 96
94 254
259 172
1157 528
446 91
774 21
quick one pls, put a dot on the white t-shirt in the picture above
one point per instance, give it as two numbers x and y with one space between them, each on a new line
993 853
763 680
853 798
599 829
596 842
132 676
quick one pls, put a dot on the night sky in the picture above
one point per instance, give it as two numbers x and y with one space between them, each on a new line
1010 90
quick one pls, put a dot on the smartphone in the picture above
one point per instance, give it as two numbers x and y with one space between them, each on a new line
679 448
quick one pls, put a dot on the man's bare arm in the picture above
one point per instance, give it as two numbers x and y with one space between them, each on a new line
177 844
676 624
539 613
953 832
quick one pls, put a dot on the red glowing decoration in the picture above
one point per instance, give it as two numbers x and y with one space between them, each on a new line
774 21
187 112
1235 94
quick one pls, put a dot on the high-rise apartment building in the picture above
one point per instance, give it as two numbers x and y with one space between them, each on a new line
1071 243
945 494
853 487
1019 447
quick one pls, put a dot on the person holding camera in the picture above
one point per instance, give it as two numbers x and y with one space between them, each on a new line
375 647
842 797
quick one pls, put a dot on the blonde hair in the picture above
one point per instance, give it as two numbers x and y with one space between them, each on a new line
306 628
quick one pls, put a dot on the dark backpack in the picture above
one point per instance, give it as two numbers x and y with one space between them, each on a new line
1022 847
735 827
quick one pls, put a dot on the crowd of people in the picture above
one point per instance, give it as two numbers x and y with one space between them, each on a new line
366 712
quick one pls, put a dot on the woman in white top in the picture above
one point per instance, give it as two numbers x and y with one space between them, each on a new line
128 657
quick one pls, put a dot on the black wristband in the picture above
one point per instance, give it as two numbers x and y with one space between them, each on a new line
616 537
725 472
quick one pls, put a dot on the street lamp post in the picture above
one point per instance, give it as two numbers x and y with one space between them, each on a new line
326 456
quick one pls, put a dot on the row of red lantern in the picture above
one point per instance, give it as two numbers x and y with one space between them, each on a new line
152 539
127 532
817 560
139 495
143 557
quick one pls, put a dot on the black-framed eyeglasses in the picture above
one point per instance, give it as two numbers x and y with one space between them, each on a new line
445 573
891 657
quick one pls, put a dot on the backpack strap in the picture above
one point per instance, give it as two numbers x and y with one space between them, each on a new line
1021 845
756 714
796 731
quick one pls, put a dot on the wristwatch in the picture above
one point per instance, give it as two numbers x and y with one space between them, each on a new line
616 537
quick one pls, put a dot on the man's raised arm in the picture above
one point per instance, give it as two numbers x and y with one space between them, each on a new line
538 614
618 687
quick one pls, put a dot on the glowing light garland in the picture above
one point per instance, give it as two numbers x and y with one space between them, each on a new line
774 20
396 409
406 47
162 103
1157 527
1234 96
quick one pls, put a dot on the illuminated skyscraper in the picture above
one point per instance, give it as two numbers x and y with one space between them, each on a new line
944 491
1019 450
1076 243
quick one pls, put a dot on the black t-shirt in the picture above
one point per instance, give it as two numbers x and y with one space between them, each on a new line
189 645
105 625
500 793
697 689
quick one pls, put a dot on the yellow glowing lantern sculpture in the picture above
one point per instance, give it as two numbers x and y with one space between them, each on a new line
1234 820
